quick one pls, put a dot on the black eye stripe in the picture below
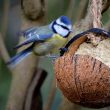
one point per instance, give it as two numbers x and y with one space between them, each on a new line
60 25
53 27
63 27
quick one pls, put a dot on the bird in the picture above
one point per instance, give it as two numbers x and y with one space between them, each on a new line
44 40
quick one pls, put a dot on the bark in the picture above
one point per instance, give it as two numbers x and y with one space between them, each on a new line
22 74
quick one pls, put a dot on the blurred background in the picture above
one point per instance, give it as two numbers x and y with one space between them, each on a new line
10 22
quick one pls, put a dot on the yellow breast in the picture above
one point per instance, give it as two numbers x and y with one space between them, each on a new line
51 45
57 40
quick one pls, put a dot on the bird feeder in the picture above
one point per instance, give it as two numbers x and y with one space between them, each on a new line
83 72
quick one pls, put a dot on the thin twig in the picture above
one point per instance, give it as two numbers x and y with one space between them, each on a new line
3 51
106 5
34 88
81 10
70 8
51 96
5 17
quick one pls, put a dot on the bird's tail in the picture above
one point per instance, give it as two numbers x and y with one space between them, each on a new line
19 57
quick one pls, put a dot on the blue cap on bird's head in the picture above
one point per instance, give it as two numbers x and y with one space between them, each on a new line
65 20
62 26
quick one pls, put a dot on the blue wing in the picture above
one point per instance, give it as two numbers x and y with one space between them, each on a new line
19 57
28 32
35 34
35 38
35 30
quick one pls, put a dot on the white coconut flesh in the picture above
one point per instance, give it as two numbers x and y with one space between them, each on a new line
101 52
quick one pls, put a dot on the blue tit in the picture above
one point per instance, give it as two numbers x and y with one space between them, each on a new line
45 39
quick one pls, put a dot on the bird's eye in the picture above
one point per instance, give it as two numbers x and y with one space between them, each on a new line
64 27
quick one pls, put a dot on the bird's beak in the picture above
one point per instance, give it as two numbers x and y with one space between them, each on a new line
71 30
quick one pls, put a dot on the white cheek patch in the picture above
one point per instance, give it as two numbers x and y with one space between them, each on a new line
60 30
69 27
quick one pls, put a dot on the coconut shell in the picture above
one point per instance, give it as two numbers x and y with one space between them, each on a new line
83 79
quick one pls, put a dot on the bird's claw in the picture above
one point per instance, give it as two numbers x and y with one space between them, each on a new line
63 49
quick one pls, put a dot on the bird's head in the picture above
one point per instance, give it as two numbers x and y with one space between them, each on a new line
62 26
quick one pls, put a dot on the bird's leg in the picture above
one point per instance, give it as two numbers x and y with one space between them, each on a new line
63 49
53 57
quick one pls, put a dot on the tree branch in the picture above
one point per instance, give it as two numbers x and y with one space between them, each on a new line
106 5
3 52
96 9
81 10
70 8
23 72
5 17
51 96
107 26
31 102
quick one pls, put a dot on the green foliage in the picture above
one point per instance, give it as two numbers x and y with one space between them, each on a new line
5 79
